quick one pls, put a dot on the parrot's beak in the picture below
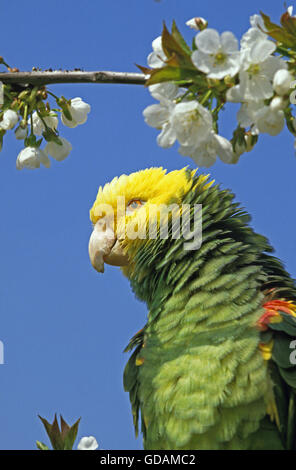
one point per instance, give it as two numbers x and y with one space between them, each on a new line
104 248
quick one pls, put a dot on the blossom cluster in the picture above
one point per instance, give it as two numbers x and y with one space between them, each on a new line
34 121
192 86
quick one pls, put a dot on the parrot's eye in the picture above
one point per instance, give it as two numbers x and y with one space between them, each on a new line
133 205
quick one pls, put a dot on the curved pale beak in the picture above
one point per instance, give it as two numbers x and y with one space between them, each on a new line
104 247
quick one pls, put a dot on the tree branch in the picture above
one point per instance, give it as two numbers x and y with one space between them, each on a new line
72 76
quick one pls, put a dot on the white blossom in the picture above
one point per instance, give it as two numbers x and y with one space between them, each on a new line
38 126
206 152
159 115
10 118
257 72
246 115
282 82
157 58
217 56
255 33
31 157
58 152
270 121
187 121
79 111
21 132
197 23
88 443
264 119
192 123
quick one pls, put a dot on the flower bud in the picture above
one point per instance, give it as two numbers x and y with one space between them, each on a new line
277 103
38 125
197 23
78 110
31 157
59 151
282 81
88 443
10 118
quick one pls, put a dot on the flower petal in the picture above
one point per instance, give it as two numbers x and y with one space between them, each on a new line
43 158
261 50
257 21
224 149
167 90
167 137
208 41
229 42
156 115
271 66
251 37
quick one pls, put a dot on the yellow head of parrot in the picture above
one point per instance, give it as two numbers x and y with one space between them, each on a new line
122 207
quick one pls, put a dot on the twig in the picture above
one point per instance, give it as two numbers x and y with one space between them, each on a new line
76 76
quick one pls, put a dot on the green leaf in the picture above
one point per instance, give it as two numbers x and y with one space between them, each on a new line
53 433
179 39
166 74
65 105
70 435
174 51
41 446
64 438
50 136
289 23
278 33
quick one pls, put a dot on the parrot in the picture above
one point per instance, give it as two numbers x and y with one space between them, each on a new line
214 367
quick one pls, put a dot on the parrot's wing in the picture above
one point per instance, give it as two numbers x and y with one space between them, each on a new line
278 344
131 379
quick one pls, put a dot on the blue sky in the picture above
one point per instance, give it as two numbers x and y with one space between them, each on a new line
63 325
